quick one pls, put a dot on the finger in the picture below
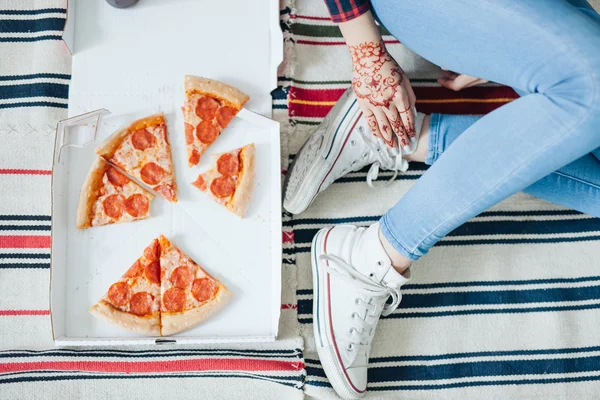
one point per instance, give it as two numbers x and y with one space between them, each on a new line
373 125
397 126
412 99
449 74
449 84
407 115
387 134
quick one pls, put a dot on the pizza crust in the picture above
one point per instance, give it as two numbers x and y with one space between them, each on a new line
217 89
243 193
145 325
89 193
173 323
110 145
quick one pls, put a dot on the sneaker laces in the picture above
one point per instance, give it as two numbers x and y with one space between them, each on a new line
385 159
368 287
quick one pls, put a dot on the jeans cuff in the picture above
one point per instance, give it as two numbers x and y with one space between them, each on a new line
387 233
434 134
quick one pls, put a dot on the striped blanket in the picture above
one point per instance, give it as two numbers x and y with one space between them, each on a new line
34 82
506 306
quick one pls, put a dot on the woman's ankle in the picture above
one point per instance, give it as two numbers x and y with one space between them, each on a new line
399 262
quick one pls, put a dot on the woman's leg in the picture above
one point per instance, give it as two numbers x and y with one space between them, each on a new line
548 49
576 185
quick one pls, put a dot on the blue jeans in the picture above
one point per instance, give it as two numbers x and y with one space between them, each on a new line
547 50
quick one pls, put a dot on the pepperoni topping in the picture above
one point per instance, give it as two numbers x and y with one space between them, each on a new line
194 157
182 277
152 272
143 139
137 205
228 164
207 132
134 270
152 173
203 289
141 303
152 252
116 178
119 294
114 205
174 299
225 115
222 186
200 183
167 192
189 133
206 108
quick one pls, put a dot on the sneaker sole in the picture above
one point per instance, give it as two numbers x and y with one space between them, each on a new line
311 179
326 346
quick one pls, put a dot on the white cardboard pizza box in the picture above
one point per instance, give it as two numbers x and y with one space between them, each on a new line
131 63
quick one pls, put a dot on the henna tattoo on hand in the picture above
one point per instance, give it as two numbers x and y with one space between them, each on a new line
372 123
377 76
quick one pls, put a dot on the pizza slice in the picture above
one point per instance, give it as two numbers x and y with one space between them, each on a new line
109 197
142 150
231 181
133 302
209 107
189 294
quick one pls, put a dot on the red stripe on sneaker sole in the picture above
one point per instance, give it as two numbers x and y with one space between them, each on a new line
337 353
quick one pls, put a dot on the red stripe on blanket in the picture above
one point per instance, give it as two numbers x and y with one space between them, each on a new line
289 306
25 172
12 313
315 43
288 237
436 99
24 242
208 364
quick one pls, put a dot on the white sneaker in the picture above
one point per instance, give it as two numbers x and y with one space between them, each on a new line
342 143
352 280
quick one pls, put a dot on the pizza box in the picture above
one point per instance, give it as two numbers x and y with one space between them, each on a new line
110 87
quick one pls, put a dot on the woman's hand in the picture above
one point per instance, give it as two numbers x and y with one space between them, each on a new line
384 93
456 82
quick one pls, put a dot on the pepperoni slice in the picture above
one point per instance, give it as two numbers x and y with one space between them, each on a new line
225 115
141 303
206 108
167 192
194 157
152 272
200 183
222 186
189 133
182 277
152 173
152 252
207 132
203 289
114 205
143 139
174 299
134 270
119 294
228 164
116 178
137 205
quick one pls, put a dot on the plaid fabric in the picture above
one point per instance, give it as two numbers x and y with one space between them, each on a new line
345 10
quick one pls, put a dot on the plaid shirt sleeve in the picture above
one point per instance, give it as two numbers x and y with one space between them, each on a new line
345 10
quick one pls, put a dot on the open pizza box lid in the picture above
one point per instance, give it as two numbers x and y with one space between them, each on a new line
129 63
